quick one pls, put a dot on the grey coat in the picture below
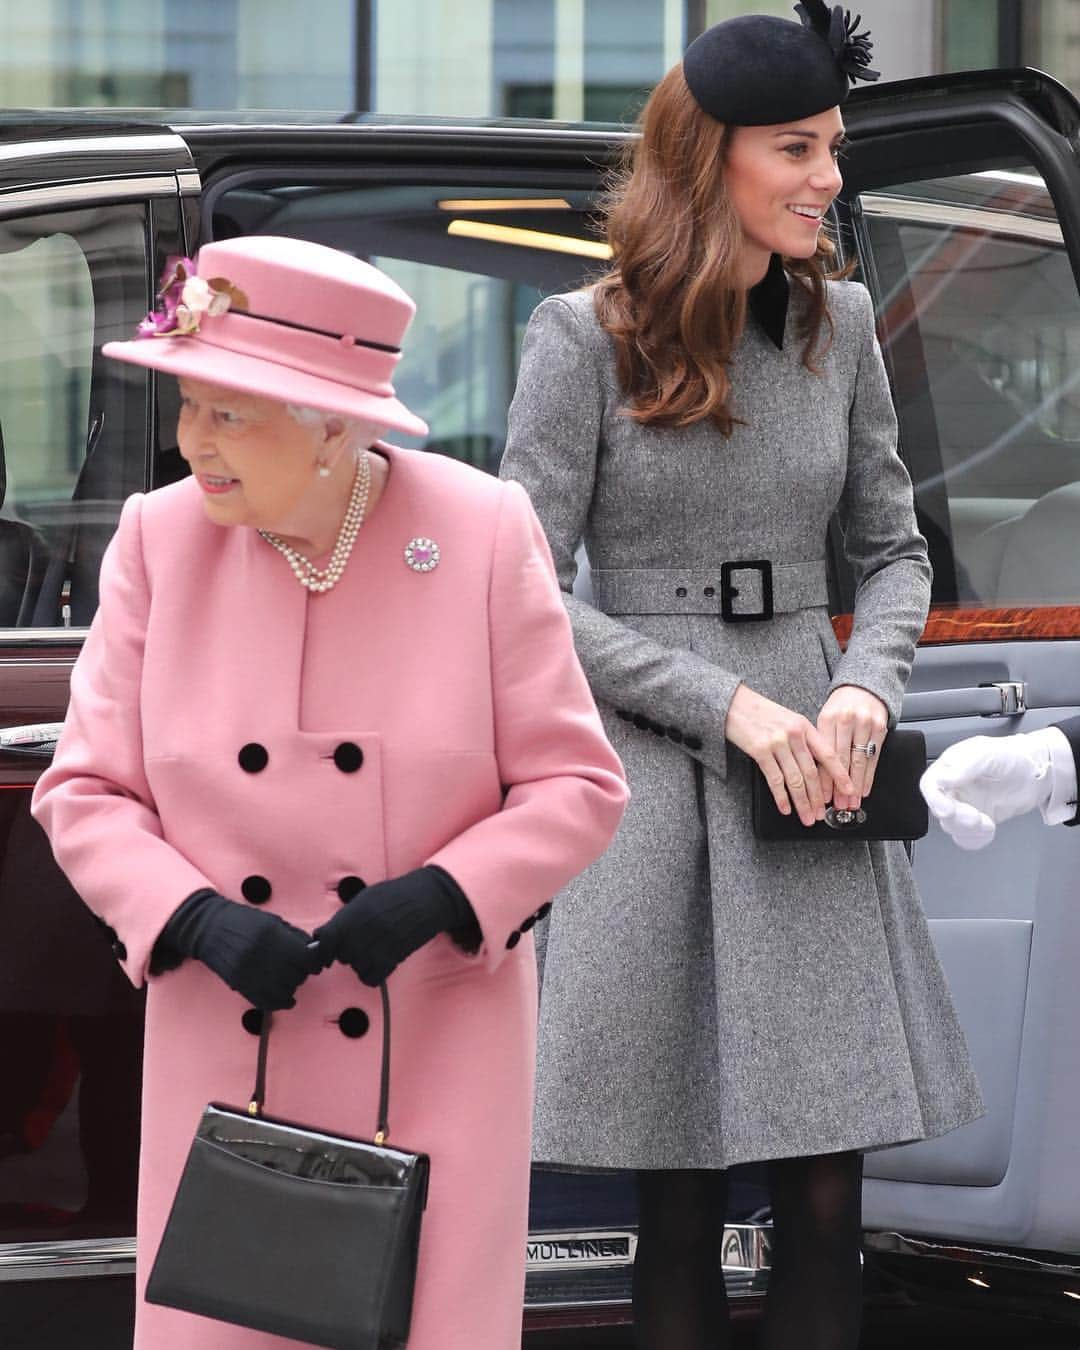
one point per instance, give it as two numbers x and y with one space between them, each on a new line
710 999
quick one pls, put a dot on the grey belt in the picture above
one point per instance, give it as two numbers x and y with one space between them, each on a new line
739 592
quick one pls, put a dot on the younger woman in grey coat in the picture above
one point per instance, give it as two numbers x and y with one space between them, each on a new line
710 999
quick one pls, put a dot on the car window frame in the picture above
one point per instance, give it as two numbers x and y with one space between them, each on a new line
916 130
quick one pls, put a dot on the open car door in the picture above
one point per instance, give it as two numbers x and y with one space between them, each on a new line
962 205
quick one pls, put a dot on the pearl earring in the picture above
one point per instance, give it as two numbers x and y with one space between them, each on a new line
323 469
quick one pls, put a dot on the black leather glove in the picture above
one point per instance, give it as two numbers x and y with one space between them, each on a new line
387 922
259 955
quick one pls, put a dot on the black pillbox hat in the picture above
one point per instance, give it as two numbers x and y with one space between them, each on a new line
757 70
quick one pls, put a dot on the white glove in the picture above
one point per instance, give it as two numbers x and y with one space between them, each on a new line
978 783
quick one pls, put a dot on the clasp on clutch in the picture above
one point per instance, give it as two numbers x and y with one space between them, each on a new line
844 820
254 1107
380 1137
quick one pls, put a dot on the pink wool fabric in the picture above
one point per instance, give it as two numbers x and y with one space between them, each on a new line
482 753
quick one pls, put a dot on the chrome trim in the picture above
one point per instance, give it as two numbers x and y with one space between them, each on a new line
506 131
1013 697
41 637
746 1248
30 734
582 1250
897 1244
583 1305
970 217
575 1305
66 1260
137 143
189 182
99 190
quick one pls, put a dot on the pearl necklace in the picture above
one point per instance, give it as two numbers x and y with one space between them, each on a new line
304 570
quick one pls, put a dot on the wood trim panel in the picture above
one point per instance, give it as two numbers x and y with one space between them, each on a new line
955 623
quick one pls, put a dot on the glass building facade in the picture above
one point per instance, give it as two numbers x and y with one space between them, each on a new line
567 59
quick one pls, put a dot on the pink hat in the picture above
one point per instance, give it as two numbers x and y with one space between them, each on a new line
285 319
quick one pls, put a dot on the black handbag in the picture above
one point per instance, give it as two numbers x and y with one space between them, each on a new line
293 1230
894 808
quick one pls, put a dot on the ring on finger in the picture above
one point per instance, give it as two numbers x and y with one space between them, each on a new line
870 749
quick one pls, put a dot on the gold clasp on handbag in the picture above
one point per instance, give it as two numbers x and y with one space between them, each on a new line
253 1107
380 1137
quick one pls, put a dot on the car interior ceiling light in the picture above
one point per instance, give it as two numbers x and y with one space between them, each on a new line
509 234
504 204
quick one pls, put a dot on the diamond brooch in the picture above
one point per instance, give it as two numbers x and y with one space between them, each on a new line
422 555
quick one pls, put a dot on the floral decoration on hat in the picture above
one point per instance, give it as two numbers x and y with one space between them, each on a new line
851 48
184 299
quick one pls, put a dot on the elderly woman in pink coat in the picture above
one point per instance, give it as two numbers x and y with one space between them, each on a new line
330 694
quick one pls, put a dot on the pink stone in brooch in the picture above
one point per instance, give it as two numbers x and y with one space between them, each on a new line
422 555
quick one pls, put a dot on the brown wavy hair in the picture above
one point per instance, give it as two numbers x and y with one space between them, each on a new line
672 299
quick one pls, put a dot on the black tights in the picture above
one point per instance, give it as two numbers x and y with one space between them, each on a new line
814 1300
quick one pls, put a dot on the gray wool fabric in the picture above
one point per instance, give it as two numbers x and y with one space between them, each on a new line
710 999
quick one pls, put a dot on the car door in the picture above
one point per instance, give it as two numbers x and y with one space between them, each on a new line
961 208
88 212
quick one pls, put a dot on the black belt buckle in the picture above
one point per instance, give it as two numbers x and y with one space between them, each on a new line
728 592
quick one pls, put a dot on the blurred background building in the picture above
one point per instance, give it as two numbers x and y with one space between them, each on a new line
569 59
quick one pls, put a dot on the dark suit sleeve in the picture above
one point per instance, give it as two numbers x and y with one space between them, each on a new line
1071 730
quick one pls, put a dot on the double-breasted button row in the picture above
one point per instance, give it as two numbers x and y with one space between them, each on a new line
675 734
354 1023
253 757
348 757
519 932
350 887
351 1022
257 890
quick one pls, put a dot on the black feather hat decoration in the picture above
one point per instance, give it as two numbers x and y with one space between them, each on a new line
851 48
757 69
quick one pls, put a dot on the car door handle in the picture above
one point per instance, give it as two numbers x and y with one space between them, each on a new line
37 739
1007 698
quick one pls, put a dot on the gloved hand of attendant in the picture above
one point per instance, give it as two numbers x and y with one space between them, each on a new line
387 922
259 955
980 782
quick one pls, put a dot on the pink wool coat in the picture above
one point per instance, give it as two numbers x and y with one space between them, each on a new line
480 750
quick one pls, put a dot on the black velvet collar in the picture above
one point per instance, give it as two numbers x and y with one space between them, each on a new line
768 301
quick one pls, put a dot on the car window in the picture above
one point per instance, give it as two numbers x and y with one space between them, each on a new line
476 260
980 325
72 425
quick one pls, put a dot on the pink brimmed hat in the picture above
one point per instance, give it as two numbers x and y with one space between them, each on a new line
284 319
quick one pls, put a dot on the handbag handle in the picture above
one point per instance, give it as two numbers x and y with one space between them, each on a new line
258 1095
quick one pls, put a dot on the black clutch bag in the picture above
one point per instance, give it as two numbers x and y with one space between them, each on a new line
293 1230
894 809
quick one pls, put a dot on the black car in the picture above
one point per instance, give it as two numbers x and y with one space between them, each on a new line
961 212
